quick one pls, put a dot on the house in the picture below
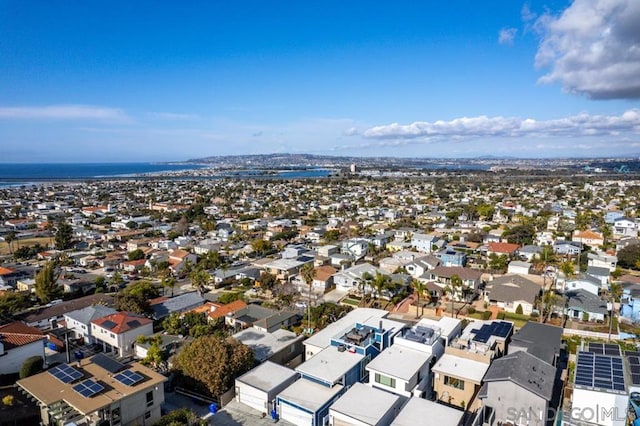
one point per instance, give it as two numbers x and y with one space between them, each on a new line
600 381
364 405
510 291
540 340
601 274
278 320
624 227
79 321
590 238
458 373
18 341
322 280
585 306
351 278
218 310
602 260
457 380
423 242
518 267
282 346
518 389
471 278
168 343
529 252
418 411
179 304
118 332
451 257
583 282
324 338
404 367
306 402
355 247
93 394
567 248
421 265
259 387
630 300
49 316
502 249
248 316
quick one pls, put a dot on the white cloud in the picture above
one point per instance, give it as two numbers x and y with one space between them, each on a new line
510 127
507 35
351 131
64 112
593 48
526 13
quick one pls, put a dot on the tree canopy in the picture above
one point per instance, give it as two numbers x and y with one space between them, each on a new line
212 363
64 235
629 256
46 286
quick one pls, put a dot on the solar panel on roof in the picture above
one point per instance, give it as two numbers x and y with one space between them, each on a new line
128 377
600 371
632 353
106 363
612 350
635 379
109 324
596 348
65 373
88 388
634 360
635 369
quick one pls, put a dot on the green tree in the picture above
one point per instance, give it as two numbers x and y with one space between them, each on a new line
131 303
379 283
260 246
31 366
181 416
268 281
629 256
230 296
46 285
136 254
498 263
455 283
11 303
63 236
199 278
9 238
519 309
168 282
308 273
212 363
100 283
418 288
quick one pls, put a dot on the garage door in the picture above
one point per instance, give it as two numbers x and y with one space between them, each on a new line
253 401
295 416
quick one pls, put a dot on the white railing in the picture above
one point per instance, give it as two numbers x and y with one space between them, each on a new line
594 334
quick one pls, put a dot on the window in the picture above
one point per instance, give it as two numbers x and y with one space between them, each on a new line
113 336
384 380
147 414
149 399
453 382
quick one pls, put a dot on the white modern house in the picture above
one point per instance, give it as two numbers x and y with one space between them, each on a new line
80 320
118 332
259 387
365 406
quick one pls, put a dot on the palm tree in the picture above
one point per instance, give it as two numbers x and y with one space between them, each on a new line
168 281
308 272
454 284
199 278
380 282
615 292
364 280
418 287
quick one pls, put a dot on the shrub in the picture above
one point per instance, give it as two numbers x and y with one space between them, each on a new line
486 315
8 400
31 366
519 309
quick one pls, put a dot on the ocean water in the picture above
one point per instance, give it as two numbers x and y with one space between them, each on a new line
19 174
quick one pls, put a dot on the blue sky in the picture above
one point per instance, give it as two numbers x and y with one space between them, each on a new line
161 81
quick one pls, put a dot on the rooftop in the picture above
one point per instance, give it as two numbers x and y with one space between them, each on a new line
48 389
399 361
329 365
309 395
428 413
265 344
462 368
267 376
366 404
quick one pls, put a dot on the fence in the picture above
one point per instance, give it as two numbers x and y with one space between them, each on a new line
594 334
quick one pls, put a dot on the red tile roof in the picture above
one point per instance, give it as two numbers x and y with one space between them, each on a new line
18 334
6 271
222 310
506 248
124 321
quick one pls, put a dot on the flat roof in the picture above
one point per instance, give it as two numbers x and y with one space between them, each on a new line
360 315
399 361
365 403
267 376
48 390
424 412
309 395
462 368
330 364
265 344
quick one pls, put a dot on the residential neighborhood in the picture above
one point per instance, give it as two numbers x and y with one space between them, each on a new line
336 301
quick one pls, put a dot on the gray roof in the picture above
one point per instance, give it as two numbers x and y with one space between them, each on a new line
67 306
263 344
525 370
585 301
598 271
275 319
177 304
253 313
511 288
267 376
90 313
530 249
366 404
540 340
